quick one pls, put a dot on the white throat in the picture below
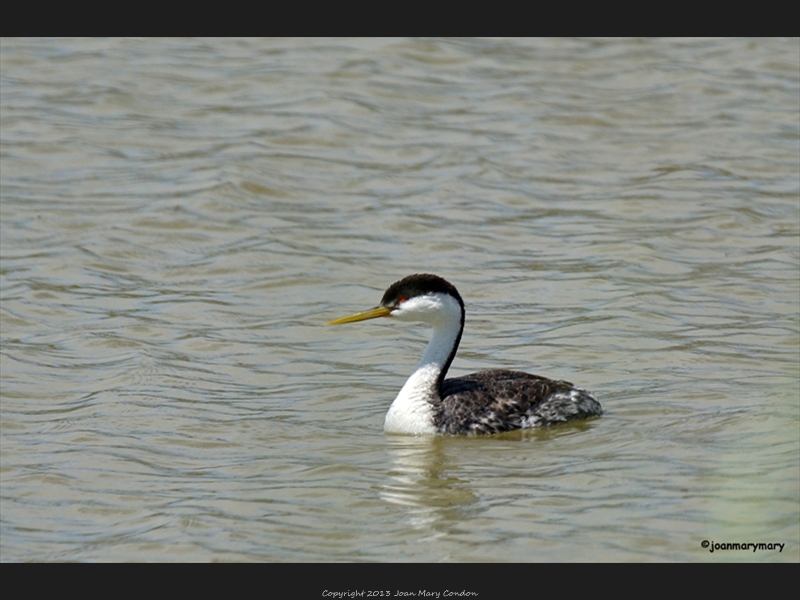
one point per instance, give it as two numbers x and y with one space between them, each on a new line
412 411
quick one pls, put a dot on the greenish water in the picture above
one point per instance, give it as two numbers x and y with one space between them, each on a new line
180 217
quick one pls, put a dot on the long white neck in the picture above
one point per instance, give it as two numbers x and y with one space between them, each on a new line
413 409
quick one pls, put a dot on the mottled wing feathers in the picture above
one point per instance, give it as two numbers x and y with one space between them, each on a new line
495 401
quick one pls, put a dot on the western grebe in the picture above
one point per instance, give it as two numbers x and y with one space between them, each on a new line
483 402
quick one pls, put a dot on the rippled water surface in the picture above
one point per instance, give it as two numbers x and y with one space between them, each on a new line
180 217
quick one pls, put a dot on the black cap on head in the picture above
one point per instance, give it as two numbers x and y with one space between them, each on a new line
419 284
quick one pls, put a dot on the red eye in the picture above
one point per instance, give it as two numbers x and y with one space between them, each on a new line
401 299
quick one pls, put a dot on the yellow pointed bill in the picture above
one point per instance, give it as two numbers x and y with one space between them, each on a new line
374 313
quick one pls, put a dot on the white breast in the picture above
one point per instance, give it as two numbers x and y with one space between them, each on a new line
411 411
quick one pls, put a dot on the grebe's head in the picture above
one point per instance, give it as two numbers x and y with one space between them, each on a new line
421 297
